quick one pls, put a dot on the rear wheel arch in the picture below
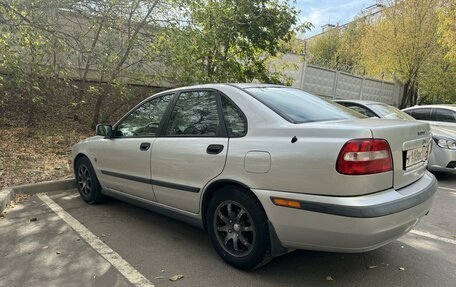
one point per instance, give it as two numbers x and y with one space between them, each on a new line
215 186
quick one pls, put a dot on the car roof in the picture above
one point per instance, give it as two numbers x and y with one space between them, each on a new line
215 85
444 106
362 102
256 85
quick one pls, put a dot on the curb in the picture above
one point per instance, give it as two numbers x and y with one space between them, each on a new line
8 194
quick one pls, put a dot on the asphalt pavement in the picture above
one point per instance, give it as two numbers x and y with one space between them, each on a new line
71 243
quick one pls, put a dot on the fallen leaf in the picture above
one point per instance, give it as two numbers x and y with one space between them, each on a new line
401 268
57 252
33 219
176 277
329 278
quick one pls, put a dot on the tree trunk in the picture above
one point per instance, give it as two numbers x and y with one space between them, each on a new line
97 111
405 95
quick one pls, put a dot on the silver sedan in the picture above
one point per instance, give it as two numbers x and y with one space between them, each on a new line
264 169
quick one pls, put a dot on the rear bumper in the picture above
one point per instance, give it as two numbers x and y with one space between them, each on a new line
349 224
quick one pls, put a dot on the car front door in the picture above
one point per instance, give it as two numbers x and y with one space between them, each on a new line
191 151
124 159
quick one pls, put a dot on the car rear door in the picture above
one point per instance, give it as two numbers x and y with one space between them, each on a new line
191 151
445 118
124 159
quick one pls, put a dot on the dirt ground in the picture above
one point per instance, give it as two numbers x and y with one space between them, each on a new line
37 154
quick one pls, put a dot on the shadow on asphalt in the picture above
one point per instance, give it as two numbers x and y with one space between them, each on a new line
446 179
39 249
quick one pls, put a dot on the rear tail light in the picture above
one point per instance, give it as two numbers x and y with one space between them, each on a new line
364 156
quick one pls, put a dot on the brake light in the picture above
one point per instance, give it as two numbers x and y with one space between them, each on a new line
364 156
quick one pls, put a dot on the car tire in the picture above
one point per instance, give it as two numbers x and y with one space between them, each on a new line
87 182
237 225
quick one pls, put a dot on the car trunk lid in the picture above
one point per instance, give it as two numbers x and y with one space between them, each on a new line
407 139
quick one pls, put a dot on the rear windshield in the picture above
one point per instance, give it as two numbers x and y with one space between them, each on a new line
300 107
390 112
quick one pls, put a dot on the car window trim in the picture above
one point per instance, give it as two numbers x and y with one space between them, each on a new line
114 128
222 129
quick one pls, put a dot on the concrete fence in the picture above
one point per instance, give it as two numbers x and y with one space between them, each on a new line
340 85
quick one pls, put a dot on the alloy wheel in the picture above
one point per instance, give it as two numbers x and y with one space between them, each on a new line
234 227
84 180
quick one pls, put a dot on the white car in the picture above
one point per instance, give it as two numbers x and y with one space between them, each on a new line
264 169
440 116
442 119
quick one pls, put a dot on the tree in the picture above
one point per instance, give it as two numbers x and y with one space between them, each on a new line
402 43
323 51
447 28
226 41
437 83
28 53
339 48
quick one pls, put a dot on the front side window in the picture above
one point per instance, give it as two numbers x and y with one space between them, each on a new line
195 114
442 115
145 120
236 122
420 114
298 106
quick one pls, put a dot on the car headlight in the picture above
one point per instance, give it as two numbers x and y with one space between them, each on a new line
447 143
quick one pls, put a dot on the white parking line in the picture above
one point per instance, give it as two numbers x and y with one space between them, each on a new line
130 273
432 236
447 188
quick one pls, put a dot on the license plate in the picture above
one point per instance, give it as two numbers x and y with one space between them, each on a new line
415 156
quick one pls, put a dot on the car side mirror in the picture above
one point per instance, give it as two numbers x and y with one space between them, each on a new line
104 130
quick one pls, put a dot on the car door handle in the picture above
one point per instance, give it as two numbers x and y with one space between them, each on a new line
144 146
214 149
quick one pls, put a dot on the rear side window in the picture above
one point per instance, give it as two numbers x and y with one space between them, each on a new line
442 115
361 110
236 122
300 107
195 114
420 114
390 112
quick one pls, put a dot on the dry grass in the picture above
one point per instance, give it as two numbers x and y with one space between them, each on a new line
35 155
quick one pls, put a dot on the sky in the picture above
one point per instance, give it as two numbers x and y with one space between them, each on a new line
321 12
